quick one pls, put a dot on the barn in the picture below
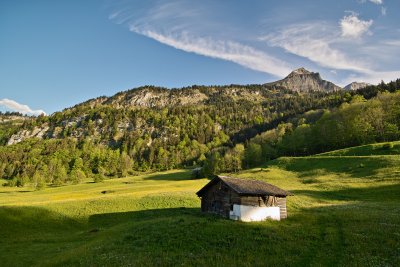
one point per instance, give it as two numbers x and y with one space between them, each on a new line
243 199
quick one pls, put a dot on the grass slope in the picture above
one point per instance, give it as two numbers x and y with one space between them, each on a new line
388 148
345 211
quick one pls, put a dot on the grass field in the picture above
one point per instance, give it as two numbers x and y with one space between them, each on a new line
345 212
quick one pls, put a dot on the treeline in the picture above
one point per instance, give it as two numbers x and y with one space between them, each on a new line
60 161
12 113
356 123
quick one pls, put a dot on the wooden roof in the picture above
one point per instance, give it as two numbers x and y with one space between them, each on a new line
247 187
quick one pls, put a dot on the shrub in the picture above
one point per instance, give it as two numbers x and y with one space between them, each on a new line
388 146
98 178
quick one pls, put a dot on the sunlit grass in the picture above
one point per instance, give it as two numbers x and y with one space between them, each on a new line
344 211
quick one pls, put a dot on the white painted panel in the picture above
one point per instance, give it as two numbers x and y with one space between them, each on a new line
254 214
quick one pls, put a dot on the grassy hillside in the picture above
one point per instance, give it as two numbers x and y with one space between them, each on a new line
387 148
344 211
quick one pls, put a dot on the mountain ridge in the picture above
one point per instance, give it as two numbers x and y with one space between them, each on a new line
299 80
74 121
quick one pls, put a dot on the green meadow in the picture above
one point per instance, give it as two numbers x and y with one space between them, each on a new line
345 211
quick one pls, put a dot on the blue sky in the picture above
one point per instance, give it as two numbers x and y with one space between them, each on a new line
55 54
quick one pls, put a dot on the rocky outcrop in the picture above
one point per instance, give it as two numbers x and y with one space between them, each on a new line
302 80
355 86
156 97
37 132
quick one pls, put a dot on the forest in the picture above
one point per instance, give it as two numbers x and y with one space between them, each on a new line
225 133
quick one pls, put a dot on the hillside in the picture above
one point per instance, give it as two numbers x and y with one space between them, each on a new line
126 133
151 128
344 211
386 148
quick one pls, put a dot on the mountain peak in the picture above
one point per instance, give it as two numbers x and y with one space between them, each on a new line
300 71
302 80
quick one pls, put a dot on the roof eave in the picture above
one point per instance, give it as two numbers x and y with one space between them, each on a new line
262 195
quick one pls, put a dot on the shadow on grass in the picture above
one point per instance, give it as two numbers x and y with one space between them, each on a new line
173 176
379 193
19 191
23 222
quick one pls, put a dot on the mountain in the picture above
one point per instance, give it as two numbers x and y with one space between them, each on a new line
356 86
153 128
302 80
88 119
231 108
150 96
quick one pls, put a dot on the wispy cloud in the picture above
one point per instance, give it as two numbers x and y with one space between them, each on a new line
340 46
353 27
378 2
186 26
24 109
324 45
306 40
227 50
392 42
374 77
383 11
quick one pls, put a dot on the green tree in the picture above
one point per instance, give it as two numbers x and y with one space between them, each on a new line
253 155
38 180
212 165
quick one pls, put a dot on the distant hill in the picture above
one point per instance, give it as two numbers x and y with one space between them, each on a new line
302 80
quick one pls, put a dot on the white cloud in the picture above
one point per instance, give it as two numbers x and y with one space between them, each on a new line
374 77
337 46
307 41
15 106
227 50
353 27
187 26
322 44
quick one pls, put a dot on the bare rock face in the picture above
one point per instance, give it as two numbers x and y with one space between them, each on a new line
302 80
37 132
356 86
155 97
